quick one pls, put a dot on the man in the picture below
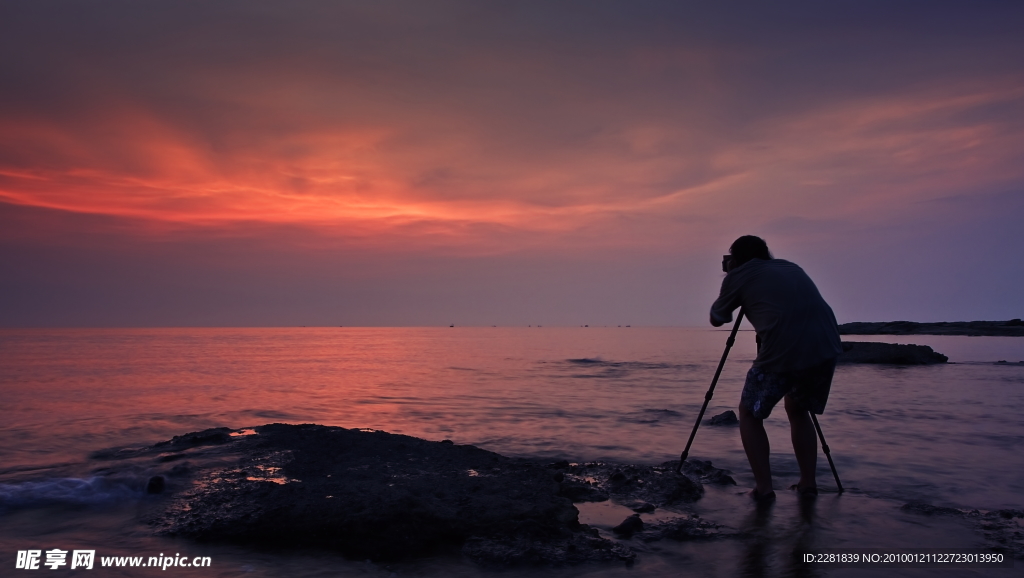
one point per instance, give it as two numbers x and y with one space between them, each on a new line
798 343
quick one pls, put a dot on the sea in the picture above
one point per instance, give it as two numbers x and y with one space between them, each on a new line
948 436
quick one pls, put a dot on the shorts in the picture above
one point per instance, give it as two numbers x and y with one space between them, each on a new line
807 387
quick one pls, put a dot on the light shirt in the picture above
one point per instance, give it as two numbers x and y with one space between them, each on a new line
796 327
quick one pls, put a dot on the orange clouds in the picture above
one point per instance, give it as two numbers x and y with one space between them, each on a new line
839 159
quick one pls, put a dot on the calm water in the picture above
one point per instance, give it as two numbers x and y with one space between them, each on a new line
949 435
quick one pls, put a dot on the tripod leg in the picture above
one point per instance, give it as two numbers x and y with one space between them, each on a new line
711 390
828 454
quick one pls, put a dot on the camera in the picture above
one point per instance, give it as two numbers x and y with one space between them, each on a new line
725 262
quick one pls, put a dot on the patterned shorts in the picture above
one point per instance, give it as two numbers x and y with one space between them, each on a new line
807 387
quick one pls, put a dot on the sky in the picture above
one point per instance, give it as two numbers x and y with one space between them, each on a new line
406 163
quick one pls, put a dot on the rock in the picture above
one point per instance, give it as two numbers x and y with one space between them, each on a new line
380 496
725 418
889 353
618 478
704 472
214 436
629 526
156 485
578 491
657 485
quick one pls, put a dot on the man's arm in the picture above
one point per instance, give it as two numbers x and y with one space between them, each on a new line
728 300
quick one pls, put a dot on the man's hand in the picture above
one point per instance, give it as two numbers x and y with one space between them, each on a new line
715 323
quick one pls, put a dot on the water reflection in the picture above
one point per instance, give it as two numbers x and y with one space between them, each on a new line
757 549
771 540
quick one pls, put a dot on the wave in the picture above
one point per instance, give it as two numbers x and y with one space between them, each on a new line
650 416
70 492
598 362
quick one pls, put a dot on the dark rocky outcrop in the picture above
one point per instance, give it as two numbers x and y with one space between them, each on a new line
889 353
1013 328
375 495
371 494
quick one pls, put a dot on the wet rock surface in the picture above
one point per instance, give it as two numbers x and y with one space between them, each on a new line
655 485
375 495
685 528
889 353
1003 529
704 472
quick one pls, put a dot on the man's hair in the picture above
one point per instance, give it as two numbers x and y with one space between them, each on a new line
749 247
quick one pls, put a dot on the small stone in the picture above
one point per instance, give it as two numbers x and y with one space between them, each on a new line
156 485
642 508
725 418
629 526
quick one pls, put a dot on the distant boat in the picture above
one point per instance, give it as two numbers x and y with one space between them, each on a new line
452 325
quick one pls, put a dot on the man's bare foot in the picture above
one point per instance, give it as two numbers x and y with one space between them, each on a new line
805 492
766 498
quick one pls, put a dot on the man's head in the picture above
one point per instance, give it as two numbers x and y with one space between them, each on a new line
744 249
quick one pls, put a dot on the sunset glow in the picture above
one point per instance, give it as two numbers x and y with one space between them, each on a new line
638 140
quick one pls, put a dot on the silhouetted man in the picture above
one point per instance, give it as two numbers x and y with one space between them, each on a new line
798 343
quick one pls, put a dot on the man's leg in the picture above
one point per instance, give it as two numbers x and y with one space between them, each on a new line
805 443
755 443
